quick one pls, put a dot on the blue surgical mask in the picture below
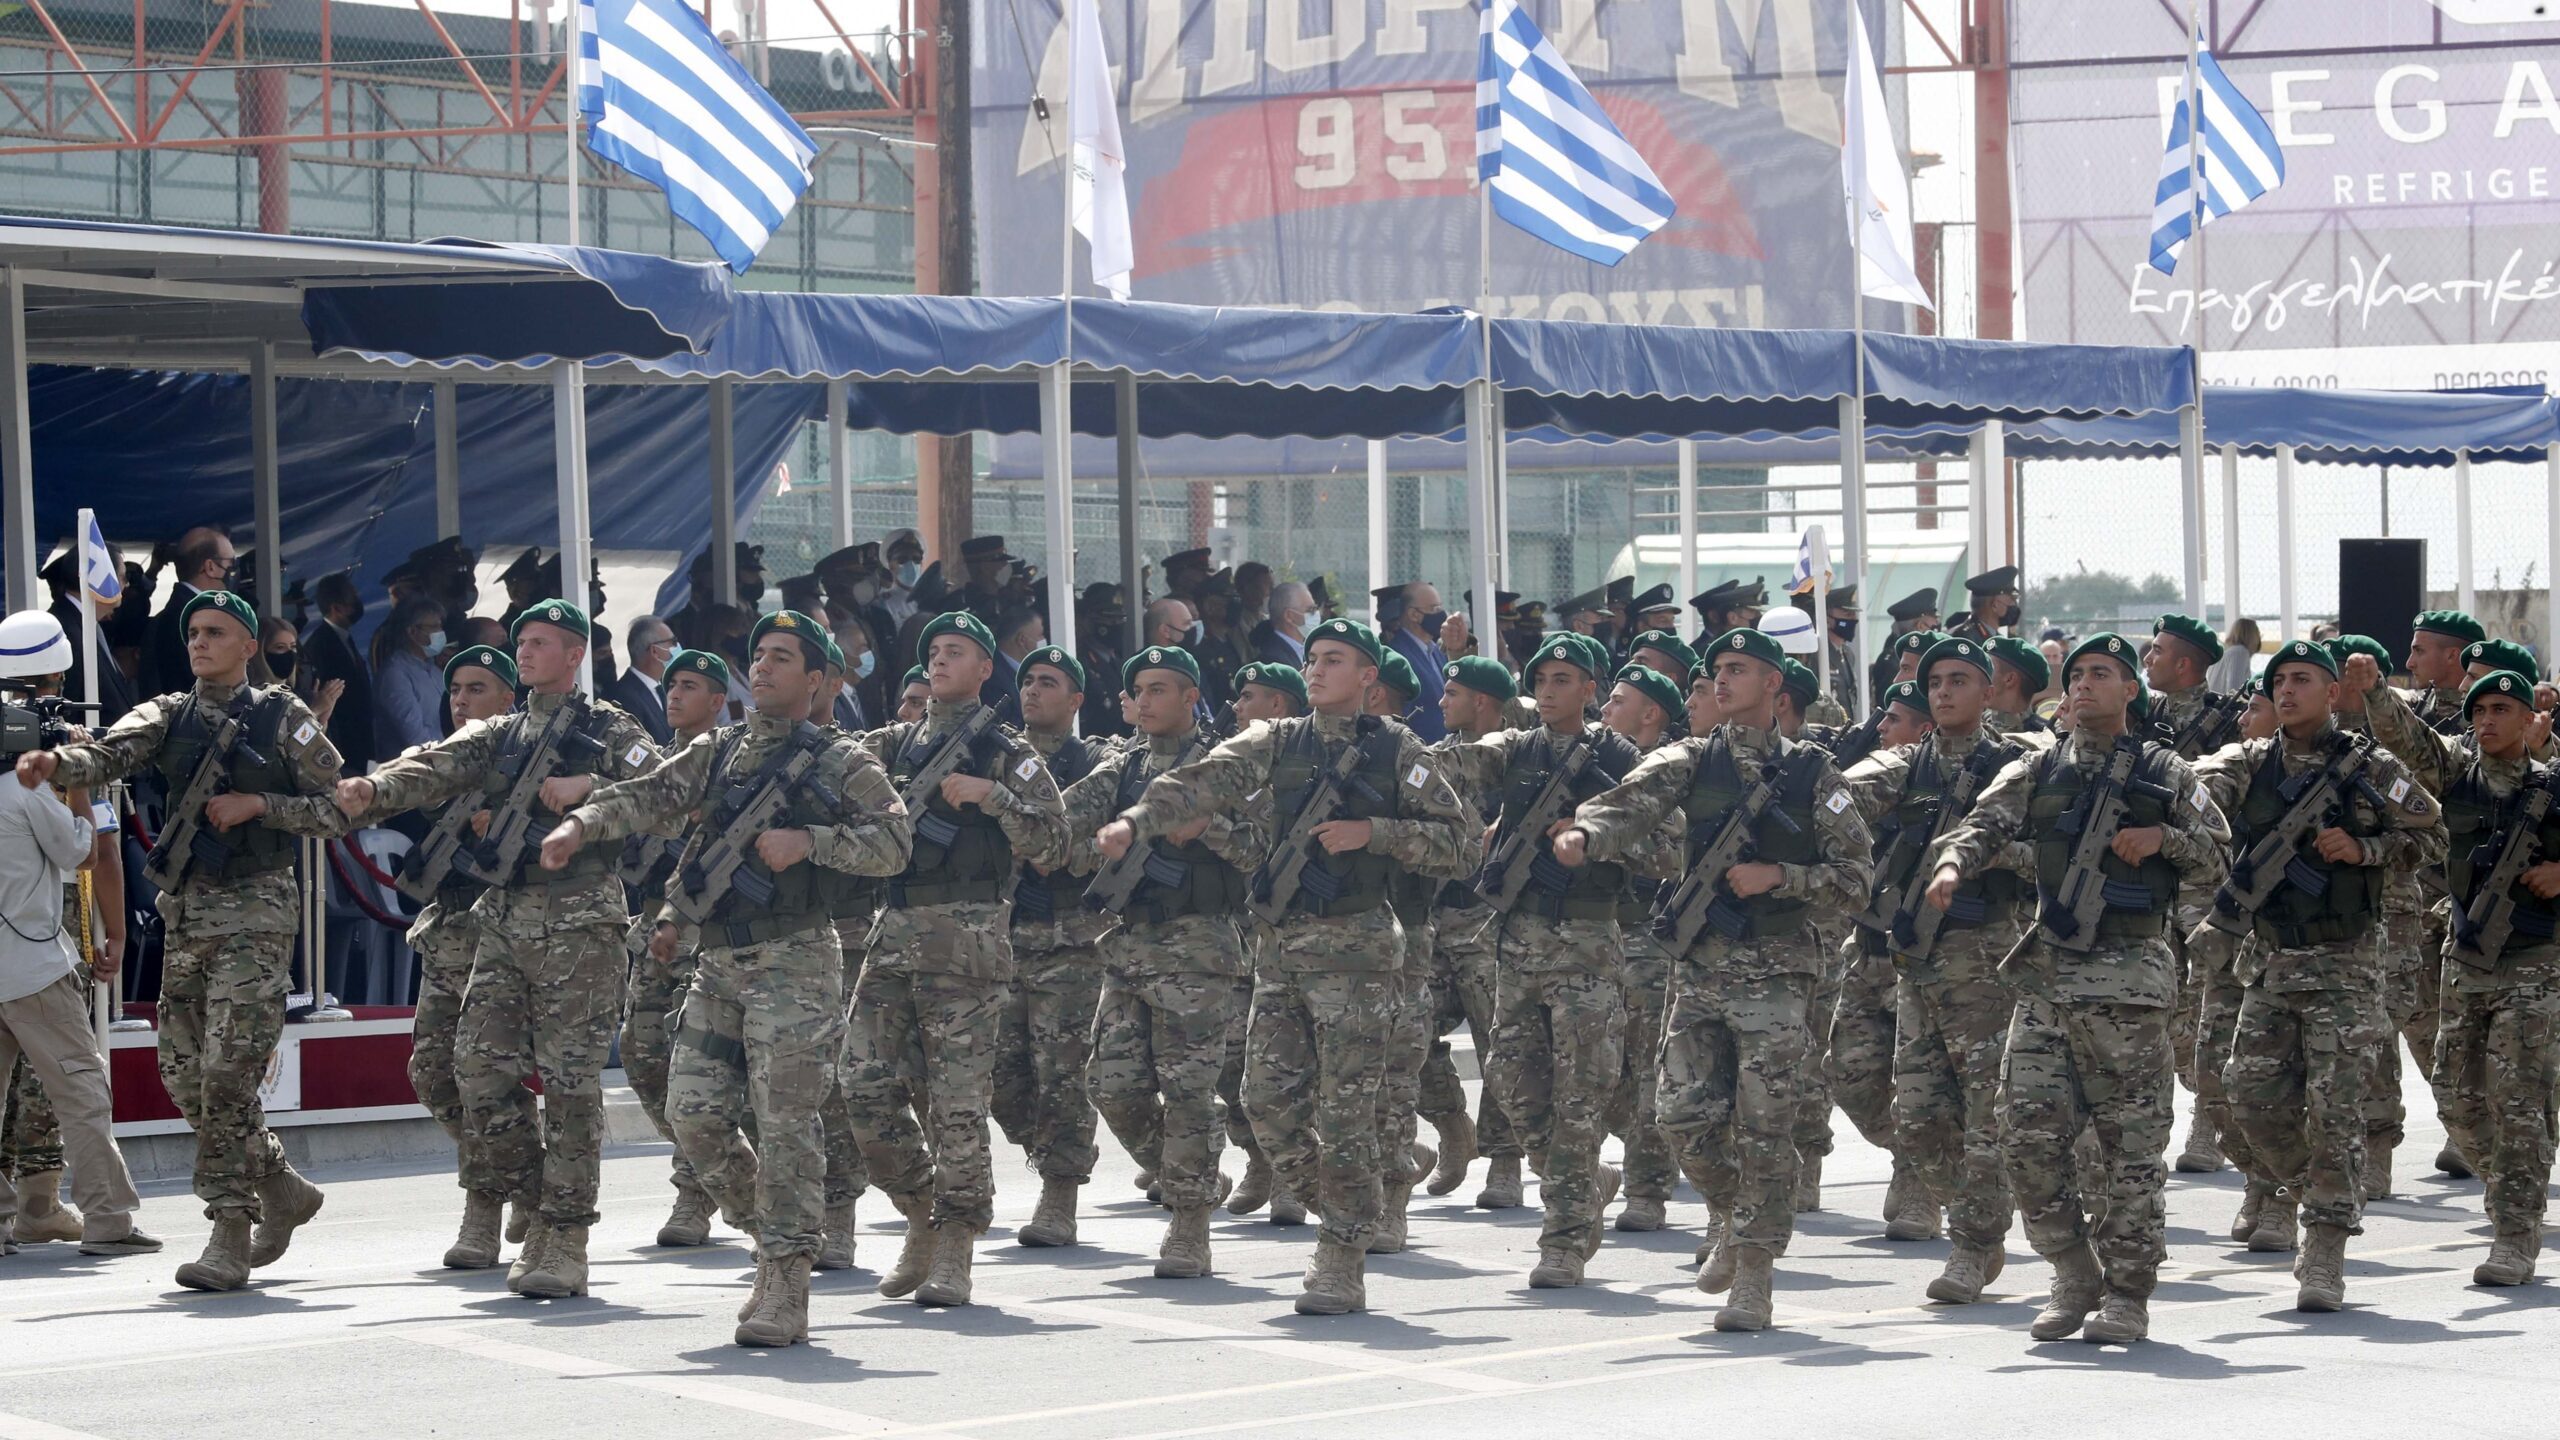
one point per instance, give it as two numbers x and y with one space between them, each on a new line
435 643
909 572
862 667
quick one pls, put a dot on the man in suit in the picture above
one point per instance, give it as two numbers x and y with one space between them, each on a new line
1019 631
115 692
1282 639
330 650
642 689
203 562
1410 617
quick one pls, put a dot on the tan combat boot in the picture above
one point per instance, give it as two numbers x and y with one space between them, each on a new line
955 1246
1501 1184
1254 1190
2322 1269
2511 1258
835 1240
1336 1283
1185 1255
2203 1155
520 1213
2450 1161
1715 1255
2377 1170
286 1202
1968 1271
781 1315
2078 1286
1457 1152
2121 1320
755 1296
1747 1308
1397 1199
1053 1220
1286 1209
1147 1182
225 1262
537 1238
2275 1232
689 1223
476 1247
915 1252
2253 1203
1601 1194
1559 1267
1910 1212
563 1271
1643 1213
1808 1183
42 1216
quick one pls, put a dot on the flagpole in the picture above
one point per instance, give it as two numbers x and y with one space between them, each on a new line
1853 428
90 679
2191 441
1487 564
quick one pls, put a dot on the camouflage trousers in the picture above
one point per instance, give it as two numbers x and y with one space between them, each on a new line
1558 1057
444 977
2295 1079
923 1047
846 1176
1732 1053
2186 1016
30 1136
1408 1050
1042 1060
1160 1054
2497 1060
1315 1059
654 1003
760 1032
1635 1110
1853 1036
2409 1012
2217 1024
1462 994
1949 1038
2101 1066
546 991
221 1013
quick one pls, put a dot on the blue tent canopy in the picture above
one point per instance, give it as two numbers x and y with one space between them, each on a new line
2400 428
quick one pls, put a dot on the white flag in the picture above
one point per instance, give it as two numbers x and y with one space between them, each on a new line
1101 176
1878 194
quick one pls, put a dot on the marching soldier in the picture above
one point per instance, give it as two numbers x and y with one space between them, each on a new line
2089 1044
2195 722
1398 693
1645 707
547 972
1360 791
1738 1029
248 768
2019 673
1462 964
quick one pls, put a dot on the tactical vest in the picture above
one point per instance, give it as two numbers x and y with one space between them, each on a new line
1716 786
2293 917
1039 898
1902 843
1592 891
2472 820
1461 894
805 893
1362 876
543 819
2058 785
256 848
977 863
1209 885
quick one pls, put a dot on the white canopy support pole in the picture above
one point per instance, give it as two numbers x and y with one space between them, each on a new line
1484 439
724 492
265 495
1853 546
2286 616
2190 505
17 449
1689 617
840 458
569 473
448 460
2465 586
1987 499
2230 537
1124 410
1057 493
2551 525
1379 511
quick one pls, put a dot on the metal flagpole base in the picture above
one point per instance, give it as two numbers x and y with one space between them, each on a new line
325 1012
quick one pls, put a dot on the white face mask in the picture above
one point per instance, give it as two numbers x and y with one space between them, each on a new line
862 666
435 643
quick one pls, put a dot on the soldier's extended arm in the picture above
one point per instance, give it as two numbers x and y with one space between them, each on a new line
1233 777
628 751
877 836
2433 758
1875 783
2195 838
1620 820
126 747
312 808
1842 877
434 773
1091 803
1474 767
2225 773
1998 819
2417 838
676 786
1434 833
1025 804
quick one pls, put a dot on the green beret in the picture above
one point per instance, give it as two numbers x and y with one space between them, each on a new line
1352 633
1918 642
2346 645
703 663
915 676
835 658
1056 659
2455 623
2111 645
1396 673
485 657
961 623
2193 631
1759 644
1906 694
1579 651
1274 676
558 614
2518 688
2022 657
1655 686
1969 652
2304 652
1800 682
1484 675
1161 657
2502 655
225 602
1669 644
793 625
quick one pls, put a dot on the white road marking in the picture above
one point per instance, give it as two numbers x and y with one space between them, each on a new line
20 1427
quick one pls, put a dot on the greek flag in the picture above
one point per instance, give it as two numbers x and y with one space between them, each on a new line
1556 167
97 567
663 100
2238 162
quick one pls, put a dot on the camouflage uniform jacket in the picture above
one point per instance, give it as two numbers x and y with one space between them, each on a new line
2173 711
971 938
1623 822
1185 944
1876 786
2414 840
2438 760
2141 971
1074 926
268 904
1459 909
1432 832
2005 722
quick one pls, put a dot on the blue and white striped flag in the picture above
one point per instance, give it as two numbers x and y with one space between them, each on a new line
1557 167
664 100
97 564
2238 162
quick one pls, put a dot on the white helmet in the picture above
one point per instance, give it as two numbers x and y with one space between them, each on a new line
1791 628
32 644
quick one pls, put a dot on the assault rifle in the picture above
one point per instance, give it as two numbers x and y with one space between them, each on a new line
2313 800
1520 855
187 841
1116 883
945 761
2070 914
2213 725
2482 928
727 837
424 870
1701 899
1285 872
562 740
1906 914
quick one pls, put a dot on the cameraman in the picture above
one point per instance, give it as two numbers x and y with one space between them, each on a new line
44 999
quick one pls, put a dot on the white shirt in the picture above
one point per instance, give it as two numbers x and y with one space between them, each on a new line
41 843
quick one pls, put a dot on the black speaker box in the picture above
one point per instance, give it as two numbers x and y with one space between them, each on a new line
2382 585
